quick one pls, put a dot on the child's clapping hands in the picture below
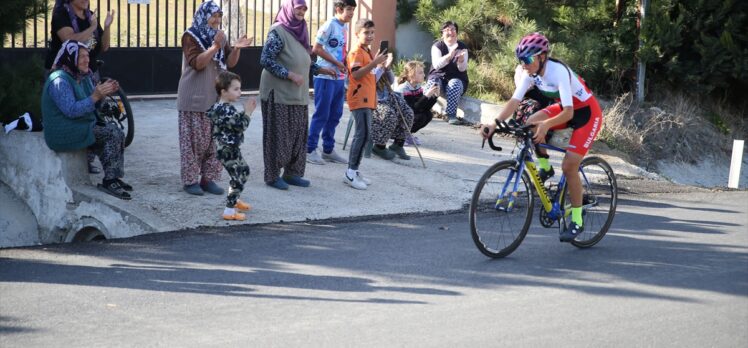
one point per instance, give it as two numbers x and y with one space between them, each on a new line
250 105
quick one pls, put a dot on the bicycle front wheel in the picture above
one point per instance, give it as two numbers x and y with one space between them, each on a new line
501 209
599 200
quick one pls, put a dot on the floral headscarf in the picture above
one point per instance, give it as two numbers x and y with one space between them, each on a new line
67 59
296 27
203 33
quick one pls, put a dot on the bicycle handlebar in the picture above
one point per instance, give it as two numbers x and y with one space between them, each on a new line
511 127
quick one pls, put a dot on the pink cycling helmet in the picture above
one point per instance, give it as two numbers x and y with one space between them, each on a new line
531 45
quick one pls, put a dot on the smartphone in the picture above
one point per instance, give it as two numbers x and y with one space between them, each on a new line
384 46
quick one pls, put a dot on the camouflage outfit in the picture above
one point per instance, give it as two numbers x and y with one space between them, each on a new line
228 133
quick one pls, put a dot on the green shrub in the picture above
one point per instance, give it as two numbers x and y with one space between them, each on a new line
698 45
24 93
15 13
22 81
405 11
399 64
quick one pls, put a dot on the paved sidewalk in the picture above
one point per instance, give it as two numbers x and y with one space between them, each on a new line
453 156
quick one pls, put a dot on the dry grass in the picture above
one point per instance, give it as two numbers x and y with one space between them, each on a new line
677 130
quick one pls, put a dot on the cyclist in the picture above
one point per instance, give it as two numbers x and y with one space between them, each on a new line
575 107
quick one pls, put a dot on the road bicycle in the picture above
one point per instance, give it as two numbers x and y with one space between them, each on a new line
116 108
502 205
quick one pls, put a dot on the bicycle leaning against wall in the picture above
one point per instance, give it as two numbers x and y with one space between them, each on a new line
116 108
502 205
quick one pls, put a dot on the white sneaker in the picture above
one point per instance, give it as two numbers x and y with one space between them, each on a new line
334 157
314 157
355 182
363 178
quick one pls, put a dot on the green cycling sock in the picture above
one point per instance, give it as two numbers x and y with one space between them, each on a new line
576 215
543 163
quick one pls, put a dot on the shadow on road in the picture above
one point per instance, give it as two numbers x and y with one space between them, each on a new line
655 249
9 325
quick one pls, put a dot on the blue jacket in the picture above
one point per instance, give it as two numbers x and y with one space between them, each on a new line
67 132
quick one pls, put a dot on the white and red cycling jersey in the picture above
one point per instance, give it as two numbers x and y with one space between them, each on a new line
568 89
557 82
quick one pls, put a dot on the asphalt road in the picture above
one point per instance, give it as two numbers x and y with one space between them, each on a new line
672 272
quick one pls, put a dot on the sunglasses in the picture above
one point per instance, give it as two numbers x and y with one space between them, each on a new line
526 60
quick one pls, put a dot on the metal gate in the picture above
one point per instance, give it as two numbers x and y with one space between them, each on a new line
145 54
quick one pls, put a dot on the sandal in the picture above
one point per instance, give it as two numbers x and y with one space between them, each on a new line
125 186
115 190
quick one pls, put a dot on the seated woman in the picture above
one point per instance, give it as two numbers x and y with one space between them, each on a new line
449 60
409 86
70 120
387 122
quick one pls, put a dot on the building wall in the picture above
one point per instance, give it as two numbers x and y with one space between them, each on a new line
413 42
384 15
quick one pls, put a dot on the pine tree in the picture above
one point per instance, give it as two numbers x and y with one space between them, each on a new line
15 13
24 93
699 45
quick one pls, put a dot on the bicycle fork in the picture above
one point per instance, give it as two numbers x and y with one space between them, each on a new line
513 179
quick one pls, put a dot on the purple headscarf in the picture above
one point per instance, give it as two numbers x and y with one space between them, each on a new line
74 18
67 59
296 27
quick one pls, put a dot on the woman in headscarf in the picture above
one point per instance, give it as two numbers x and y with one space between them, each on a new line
73 20
205 53
69 114
284 94
392 119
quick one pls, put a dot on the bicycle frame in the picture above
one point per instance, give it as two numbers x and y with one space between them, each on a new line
525 163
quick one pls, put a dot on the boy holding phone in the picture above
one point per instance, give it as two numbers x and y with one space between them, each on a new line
362 97
384 46
329 91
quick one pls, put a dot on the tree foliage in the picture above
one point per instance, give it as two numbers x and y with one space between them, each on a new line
24 92
15 13
698 44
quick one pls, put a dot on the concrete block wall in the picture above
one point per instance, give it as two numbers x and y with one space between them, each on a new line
43 199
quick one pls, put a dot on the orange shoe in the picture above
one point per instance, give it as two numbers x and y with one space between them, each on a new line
236 216
243 206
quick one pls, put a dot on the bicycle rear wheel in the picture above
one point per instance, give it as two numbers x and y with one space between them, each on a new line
599 201
125 118
498 224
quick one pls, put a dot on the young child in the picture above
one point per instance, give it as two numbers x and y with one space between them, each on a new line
228 132
409 85
329 91
362 97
